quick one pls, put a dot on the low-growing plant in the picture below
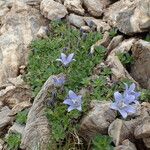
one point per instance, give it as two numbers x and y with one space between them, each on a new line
13 141
113 32
102 142
21 117
45 61
126 59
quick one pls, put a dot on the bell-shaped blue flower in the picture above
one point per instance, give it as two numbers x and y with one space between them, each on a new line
74 101
66 60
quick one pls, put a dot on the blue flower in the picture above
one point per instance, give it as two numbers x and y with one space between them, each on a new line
131 92
65 60
122 104
74 101
59 81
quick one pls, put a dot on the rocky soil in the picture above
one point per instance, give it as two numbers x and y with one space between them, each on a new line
22 21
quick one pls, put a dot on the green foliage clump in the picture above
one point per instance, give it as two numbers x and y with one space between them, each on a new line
147 38
113 32
13 141
126 59
42 64
145 95
102 142
21 117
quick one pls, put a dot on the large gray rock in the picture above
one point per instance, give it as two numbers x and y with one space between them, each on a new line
140 70
129 16
97 120
74 6
96 7
143 130
5 120
76 20
15 93
19 27
126 145
53 10
37 133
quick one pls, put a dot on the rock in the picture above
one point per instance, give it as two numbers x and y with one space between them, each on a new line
97 120
76 20
14 93
143 130
37 130
1 144
19 107
140 69
85 29
53 10
43 32
126 145
147 142
104 42
121 130
16 128
115 64
101 26
18 28
5 120
74 6
95 7
129 16
115 42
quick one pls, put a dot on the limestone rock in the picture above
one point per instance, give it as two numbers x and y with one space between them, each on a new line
43 32
97 120
140 69
18 28
37 132
19 107
1 144
147 142
14 93
115 64
121 130
115 42
96 7
143 130
85 29
100 25
104 42
16 128
76 20
74 6
129 16
5 120
53 10
126 145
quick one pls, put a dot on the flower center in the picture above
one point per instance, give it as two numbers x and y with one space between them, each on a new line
121 104
76 102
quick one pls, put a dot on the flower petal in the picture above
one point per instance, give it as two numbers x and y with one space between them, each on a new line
126 87
68 102
70 108
70 57
131 109
63 57
123 113
118 96
114 106
72 95
58 60
132 87
79 108
129 99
